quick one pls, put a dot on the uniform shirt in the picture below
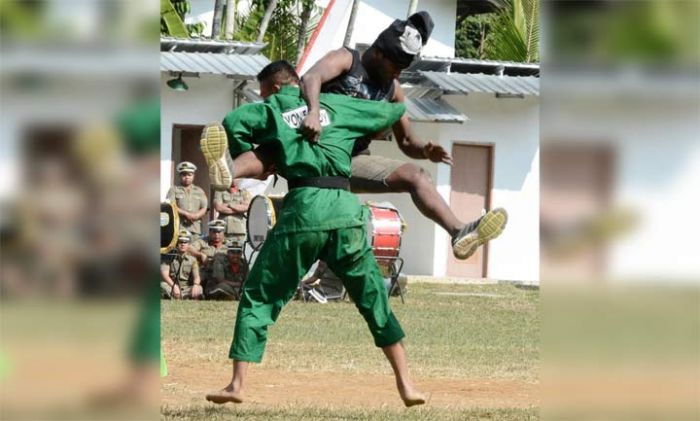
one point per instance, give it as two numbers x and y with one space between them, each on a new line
191 201
235 224
182 268
216 258
277 121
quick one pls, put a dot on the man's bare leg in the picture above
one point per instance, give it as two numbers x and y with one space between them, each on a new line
234 391
416 181
466 238
396 354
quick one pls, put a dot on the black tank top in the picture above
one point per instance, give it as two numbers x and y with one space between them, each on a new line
356 83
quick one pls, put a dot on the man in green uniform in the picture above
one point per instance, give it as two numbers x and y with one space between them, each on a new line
180 277
211 253
190 199
232 206
320 218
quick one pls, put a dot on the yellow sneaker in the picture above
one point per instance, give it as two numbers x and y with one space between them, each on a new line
214 145
478 233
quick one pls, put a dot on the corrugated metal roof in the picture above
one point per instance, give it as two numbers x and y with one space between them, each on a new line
206 45
469 65
468 83
433 110
231 65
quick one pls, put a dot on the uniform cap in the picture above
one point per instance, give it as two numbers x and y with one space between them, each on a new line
184 236
186 166
217 225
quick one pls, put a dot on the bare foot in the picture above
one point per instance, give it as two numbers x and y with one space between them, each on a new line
224 395
411 396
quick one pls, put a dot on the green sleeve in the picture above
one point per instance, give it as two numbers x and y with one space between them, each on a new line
359 116
245 126
171 195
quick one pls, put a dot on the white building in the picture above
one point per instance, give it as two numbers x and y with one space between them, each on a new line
484 113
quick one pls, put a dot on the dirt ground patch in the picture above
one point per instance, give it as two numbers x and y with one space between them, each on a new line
187 385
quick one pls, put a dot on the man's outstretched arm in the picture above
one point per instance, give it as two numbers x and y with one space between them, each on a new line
409 143
328 68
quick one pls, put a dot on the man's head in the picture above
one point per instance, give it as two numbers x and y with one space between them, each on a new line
276 75
234 255
216 231
183 241
186 170
397 46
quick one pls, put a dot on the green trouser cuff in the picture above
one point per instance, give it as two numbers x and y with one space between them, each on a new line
389 334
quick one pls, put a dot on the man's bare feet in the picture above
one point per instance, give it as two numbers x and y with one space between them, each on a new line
224 395
411 396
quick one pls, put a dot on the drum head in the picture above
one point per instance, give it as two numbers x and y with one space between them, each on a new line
169 226
260 220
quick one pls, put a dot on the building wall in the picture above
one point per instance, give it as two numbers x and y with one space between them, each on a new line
657 171
94 101
512 125
208 99
374 16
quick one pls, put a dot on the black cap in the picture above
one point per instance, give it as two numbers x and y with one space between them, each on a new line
403 39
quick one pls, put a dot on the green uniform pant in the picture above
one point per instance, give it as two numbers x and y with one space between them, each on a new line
283 261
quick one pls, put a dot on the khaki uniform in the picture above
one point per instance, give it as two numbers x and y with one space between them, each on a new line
181 270
235 224
213 270
230 286
191 201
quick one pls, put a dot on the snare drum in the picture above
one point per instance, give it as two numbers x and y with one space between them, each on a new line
169 226
262 216
384 229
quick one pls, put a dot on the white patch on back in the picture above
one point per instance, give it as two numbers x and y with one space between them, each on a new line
294 117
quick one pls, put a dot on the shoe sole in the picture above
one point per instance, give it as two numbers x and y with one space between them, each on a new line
214 145
490 227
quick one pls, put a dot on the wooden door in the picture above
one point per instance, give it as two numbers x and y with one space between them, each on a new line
470 195
186 148
575 188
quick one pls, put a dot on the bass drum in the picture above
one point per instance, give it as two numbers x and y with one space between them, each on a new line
262 216
169 226
385 226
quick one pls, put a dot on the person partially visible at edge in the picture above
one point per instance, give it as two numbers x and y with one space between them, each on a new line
320 218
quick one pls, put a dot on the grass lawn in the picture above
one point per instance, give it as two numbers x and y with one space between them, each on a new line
474 335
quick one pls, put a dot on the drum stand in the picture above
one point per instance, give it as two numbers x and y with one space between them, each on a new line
395 265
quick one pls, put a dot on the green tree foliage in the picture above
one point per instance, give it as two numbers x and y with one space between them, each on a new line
283 31
171 21
512 34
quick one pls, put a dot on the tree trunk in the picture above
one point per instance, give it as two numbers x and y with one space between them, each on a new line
266 19
218 15
303 26
351 23
231 9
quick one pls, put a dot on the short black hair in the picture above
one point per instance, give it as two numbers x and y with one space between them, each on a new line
280 71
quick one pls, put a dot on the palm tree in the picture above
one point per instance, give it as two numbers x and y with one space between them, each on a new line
516 36
269 10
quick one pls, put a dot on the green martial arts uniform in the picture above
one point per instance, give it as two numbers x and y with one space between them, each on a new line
314 223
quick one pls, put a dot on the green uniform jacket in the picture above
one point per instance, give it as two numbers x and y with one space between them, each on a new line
277 121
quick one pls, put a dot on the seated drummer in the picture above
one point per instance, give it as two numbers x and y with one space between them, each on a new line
228 276
180 277
210 251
